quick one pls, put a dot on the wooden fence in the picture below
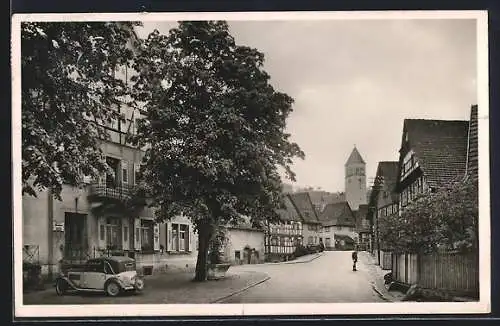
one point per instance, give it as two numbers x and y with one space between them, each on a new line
453 272
385 260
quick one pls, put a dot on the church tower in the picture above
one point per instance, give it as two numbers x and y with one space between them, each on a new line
355 180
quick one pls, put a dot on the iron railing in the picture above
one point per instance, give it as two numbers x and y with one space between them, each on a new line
114 190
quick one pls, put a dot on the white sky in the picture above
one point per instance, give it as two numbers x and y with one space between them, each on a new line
354 81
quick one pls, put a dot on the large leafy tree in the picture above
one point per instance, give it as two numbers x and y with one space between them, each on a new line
446 219
216 129
69 93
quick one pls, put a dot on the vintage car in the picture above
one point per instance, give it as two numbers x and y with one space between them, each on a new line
111 275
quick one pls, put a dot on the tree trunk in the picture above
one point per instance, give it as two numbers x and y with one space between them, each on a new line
202 261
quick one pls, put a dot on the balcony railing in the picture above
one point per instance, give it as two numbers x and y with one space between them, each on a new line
119 191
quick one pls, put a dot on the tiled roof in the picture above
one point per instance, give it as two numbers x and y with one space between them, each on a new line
346 238
326 197
440 147
360 215
387 174
290 213
355 157
304 206
321 198
337 214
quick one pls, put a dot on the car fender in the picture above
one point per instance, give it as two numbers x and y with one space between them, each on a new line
115 279
68 281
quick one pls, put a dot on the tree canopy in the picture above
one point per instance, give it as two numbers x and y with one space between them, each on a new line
216 129
446 219
69 93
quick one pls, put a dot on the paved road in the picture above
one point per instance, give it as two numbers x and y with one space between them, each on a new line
168 288
327 279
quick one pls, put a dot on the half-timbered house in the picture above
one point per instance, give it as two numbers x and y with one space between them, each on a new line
282 238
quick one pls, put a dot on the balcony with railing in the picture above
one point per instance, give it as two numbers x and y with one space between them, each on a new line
110 190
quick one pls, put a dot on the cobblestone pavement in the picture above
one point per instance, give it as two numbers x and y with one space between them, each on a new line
161 289
327 279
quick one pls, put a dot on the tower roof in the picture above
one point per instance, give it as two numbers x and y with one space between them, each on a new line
355 158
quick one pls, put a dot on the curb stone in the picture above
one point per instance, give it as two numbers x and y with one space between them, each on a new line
298 262
380 294
219 300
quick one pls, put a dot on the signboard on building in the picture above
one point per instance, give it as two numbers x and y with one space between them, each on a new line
58 226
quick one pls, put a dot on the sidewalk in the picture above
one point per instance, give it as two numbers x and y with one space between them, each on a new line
166 288
377 278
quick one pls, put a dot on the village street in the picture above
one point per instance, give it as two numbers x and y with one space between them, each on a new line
326 279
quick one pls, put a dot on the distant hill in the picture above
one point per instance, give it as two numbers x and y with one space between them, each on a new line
288 188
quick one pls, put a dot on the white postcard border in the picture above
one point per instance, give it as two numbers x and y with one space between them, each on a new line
482 306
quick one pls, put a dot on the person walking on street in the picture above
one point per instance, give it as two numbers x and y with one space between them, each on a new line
354 259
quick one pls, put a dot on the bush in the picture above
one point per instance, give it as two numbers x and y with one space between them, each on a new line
300 250
312 249
446 219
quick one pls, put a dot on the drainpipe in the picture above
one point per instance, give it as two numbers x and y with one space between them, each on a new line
50 233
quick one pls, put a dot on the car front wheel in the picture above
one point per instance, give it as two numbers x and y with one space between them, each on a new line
61 287
113 289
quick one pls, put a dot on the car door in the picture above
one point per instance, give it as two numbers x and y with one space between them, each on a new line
94 276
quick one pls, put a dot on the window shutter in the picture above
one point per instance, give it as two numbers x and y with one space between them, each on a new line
126 235
169 236
163 235
190 238
101 231
156 237
137 234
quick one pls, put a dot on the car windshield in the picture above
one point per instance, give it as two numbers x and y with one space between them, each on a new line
125 266
120 266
